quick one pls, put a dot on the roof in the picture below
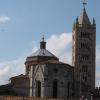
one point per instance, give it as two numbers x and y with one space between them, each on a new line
19 76
83 18
42 52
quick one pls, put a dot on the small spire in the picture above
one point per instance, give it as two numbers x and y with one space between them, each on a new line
74 25
84 19
84 3
77 21
93 21
42 43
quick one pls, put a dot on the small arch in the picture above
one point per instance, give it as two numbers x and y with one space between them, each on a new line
55 88
38 88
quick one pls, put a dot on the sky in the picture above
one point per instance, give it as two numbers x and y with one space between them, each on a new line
23 22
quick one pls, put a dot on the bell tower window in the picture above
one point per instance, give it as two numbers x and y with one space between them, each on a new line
84 68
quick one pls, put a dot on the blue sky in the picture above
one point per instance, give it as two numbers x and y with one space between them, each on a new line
22 23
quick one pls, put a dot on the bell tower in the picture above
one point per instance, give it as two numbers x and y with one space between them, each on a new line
83 52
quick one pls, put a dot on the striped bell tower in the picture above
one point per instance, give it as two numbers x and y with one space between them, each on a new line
83 52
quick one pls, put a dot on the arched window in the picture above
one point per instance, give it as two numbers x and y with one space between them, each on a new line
38 88
55 88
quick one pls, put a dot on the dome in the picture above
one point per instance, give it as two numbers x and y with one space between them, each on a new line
41 54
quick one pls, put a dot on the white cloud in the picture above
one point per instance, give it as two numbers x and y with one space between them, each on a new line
4 70
10 69
34 46
60 45
4 19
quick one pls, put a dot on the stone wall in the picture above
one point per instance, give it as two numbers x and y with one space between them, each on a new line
48 75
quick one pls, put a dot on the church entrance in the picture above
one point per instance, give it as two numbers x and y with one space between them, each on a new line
55 88
38 85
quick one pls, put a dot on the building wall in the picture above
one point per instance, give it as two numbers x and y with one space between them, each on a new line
47 74
21 86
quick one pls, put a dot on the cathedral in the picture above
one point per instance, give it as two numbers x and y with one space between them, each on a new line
46 76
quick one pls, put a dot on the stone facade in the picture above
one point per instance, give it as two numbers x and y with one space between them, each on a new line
52 80
20 85
83 53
